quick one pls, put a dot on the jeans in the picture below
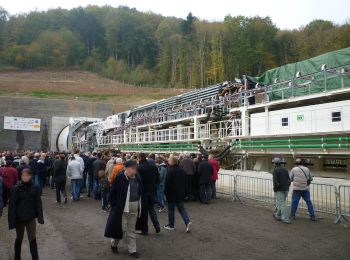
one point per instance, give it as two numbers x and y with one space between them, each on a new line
281 205
204 192
76 183
305 194
213 189
37 183
96 189
160 195
90 184
147 204
171 213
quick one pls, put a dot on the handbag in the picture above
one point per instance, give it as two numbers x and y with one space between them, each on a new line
308 180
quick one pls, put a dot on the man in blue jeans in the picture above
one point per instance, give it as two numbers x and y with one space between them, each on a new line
301 177
75 173
162 169
175 192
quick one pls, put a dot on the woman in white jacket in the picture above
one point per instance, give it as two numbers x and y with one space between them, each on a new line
75 174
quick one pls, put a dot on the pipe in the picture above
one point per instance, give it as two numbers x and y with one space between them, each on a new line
304 140
292 146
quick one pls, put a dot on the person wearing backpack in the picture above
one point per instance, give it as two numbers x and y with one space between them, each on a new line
301 177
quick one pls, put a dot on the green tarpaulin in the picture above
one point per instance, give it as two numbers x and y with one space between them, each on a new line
287 72
313 79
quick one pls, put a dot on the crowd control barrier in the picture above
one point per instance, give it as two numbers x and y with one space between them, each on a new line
326 198
343 202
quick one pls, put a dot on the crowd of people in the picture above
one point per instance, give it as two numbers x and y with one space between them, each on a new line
129 186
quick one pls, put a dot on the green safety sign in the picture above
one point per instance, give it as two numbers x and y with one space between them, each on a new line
300 117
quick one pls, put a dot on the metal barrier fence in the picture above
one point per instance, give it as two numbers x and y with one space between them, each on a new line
225 184
326 198
344 200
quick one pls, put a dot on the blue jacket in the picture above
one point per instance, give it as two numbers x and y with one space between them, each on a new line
1 200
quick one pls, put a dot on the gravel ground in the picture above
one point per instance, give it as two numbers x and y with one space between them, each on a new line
221 230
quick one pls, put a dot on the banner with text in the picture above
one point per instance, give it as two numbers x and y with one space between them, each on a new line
22 123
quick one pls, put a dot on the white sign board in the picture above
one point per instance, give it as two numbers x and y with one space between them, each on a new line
22 123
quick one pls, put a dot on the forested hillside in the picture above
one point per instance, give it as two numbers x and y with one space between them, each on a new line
149 49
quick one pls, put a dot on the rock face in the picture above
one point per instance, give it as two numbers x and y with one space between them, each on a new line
45 109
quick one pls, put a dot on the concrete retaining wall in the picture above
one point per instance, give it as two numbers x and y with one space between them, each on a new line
45 109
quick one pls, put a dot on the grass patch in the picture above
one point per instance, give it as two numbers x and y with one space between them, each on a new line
52 94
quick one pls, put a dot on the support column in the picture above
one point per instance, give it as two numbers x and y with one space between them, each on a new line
267 127
195 127
348 169
245 121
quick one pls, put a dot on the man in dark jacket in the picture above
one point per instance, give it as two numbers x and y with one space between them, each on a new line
125 197
150 179
90 171
33 163
175 193
59 176
189 167
281 183
97 166
205 173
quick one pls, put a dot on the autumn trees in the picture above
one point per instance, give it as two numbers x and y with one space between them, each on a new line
146 48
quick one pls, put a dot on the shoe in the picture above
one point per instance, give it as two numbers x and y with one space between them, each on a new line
292 217
138 232
313 219
162 210
277 217
65 200
188 227
89 195
58 202
115 249
157 229
286 221
168 227
71 197
135 255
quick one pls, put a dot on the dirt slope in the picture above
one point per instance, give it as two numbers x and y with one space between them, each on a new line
75 84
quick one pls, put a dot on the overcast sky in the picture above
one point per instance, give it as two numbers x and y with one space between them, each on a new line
288 14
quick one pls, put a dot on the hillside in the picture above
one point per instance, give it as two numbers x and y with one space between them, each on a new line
78 85
145 48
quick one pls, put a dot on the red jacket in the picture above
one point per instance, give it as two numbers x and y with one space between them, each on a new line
9 176
216 168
